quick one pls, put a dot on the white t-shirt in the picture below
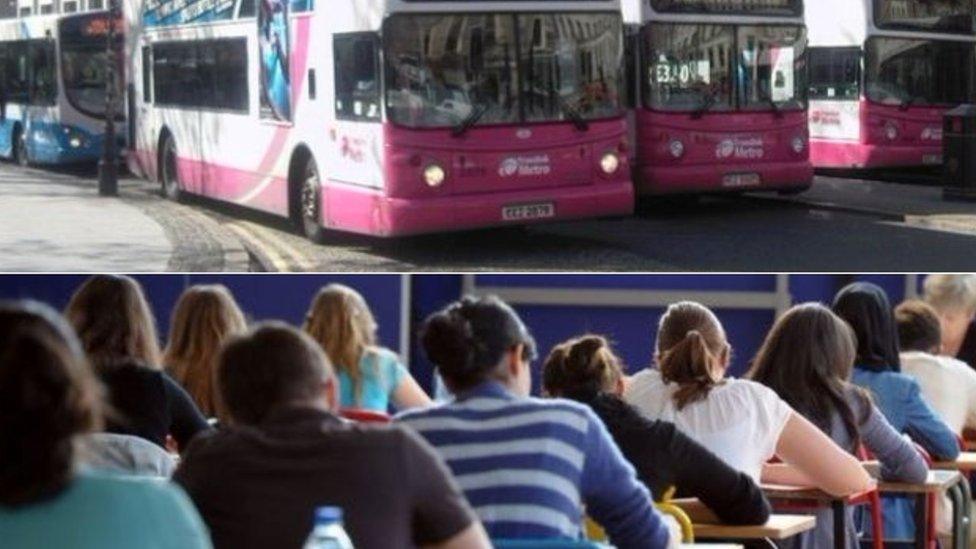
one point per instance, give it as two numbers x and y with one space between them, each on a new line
949 386
740 421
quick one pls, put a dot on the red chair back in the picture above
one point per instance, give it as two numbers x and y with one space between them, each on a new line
873 499
365 416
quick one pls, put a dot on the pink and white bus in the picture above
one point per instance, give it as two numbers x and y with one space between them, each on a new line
384 117
719 90
883 75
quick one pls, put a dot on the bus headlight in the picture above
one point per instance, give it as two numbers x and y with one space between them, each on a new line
609 163
434 175
75 138
891 131
676 148
798 144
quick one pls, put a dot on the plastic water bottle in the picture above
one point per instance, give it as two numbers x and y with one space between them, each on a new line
328 532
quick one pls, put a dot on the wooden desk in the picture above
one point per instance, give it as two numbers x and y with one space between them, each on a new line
819 498
937 483
707 525
965 462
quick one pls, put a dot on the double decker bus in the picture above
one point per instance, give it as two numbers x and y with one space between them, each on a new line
384 117
719 95
52 88
882 76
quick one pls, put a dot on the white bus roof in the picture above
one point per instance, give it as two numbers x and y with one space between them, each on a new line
847 23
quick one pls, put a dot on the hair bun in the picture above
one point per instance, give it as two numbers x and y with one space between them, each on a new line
450 342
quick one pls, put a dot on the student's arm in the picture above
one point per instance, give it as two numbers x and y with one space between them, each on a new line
187 420
926 428
408 394
442 516
472 537
730 494
614 497
899 460
818 459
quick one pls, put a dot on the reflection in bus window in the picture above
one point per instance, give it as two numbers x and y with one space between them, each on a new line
579 71
919 72
688 67
13 70
772 69
835 73
931 15
43 88
502 68
205 74
356 77
83 72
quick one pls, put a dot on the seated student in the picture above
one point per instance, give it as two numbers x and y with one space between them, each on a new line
124 454
948 384
204 318
807 359
370 377
741 421
118 333
258 481
867 310
47 398
954 298
586 369
527 465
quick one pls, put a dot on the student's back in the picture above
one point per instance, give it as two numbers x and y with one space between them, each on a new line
102 511
259 486
948 384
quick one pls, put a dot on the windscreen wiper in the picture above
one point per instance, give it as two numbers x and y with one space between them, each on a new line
777 110
471 120
573 114
708 99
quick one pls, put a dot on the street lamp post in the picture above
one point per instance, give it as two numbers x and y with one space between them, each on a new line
108 177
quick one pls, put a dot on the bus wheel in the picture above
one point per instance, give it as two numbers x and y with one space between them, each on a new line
20 148
311 218
168 172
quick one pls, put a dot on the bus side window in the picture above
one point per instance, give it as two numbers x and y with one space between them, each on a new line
357 87
43 88
834 73
13 69
146 75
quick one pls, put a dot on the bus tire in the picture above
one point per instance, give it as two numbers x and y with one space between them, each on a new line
310 200
19 147
169 177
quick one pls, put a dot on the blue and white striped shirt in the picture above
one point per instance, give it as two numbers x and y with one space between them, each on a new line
528 466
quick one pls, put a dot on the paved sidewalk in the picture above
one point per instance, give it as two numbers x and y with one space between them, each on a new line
55 221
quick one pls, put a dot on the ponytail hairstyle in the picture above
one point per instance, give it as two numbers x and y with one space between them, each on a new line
690 343
340 321
48 394
807 358
113 321
581 368
468 339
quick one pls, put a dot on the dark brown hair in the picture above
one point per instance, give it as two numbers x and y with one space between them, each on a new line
271 367
47 396
690 342
807 358
581 368
919 327
468 339
113 321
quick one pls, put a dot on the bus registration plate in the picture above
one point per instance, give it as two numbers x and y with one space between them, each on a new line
932 159
523 212
734 180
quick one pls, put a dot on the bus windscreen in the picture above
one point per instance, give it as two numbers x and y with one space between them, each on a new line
956 16
444 70
908 72
750 7
83 63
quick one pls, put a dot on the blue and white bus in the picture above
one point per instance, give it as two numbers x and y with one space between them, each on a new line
52 88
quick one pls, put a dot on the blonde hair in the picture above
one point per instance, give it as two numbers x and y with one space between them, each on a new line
340 321
113 321
204 318
690 340
946 292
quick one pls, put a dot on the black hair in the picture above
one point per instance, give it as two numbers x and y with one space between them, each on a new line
468 339
866 308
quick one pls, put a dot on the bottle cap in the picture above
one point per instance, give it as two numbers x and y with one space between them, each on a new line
328 514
